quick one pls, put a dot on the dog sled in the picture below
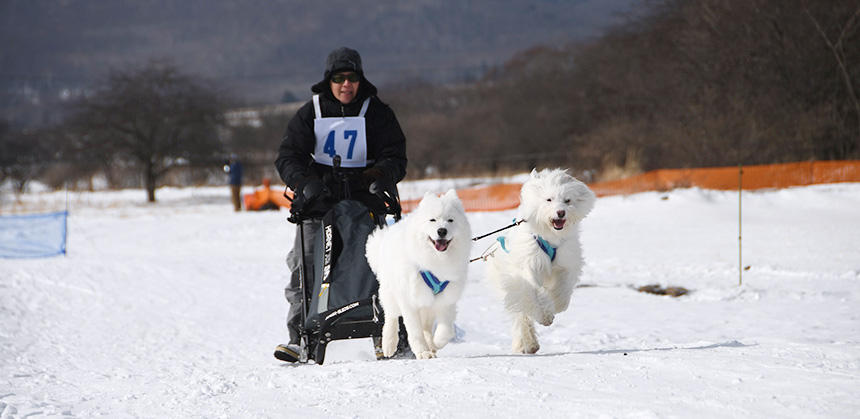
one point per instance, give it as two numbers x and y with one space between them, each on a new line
340 291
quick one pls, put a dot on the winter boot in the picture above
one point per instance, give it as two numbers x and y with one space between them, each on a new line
403 350
288 353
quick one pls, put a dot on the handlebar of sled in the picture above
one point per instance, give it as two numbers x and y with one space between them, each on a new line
384 189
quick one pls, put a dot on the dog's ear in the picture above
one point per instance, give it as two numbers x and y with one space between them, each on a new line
428 198
565 173
534 174
450 195
558 176
451 198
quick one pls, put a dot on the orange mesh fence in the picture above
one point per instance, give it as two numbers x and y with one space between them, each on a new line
507 196
486 198
726 178
836 171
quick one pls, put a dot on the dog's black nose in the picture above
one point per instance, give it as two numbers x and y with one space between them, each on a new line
442 232
560 213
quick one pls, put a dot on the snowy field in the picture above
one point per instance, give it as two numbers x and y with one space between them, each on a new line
174 309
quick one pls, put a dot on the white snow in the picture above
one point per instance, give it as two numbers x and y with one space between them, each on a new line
173 310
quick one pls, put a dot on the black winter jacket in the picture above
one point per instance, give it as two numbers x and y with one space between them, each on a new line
386 144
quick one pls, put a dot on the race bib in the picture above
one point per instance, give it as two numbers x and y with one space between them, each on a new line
341 136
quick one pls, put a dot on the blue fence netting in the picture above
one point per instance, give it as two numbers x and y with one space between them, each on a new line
33 235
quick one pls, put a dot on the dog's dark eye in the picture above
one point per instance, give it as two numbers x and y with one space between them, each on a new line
566 201
549 200
450 220
432 220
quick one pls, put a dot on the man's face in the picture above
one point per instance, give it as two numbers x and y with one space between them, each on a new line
344 86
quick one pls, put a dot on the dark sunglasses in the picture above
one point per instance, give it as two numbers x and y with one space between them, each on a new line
340 78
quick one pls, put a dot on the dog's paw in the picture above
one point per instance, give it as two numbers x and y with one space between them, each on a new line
542 318
426 354
525 344
529 348
546 319
389 346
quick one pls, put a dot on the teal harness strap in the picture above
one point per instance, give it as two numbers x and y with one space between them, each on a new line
434 283
546 247
501 240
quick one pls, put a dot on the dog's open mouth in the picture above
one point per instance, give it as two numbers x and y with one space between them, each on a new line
558 223
440 244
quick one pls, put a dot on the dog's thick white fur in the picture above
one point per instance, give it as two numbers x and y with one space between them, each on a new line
436 237
534 288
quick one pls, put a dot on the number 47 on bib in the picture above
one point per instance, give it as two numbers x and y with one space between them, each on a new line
348 135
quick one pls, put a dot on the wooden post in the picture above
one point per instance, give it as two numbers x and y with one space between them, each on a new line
740 196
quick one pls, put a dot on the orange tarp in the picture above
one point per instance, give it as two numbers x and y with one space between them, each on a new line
258 198
507 196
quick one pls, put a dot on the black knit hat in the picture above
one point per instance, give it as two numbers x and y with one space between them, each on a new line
343 59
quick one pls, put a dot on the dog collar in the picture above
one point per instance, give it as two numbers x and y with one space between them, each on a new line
434 283
546 247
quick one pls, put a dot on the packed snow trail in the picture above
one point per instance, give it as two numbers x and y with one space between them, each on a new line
173 310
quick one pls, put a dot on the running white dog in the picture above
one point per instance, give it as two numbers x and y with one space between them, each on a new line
421 264
537 264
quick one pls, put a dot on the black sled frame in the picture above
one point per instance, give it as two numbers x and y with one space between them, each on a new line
334 325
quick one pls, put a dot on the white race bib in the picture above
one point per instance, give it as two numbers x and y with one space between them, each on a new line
340 136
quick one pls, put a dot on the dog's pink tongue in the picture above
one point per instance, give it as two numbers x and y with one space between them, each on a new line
558 224
441 245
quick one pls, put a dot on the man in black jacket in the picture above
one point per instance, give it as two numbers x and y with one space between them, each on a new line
344 124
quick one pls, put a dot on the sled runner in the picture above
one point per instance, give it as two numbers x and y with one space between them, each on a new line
340 292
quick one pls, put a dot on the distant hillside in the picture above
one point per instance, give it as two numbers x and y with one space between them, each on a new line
261 49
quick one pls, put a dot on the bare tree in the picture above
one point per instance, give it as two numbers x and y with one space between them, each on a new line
24 155
155 117
836 45
685 83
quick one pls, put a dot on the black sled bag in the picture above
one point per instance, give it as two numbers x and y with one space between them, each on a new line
344 287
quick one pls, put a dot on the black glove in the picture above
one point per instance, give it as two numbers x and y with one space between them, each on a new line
372 178
385 189
312 197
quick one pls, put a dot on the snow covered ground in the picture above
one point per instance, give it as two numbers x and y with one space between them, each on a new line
173 310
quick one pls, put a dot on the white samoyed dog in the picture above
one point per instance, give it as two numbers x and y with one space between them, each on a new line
421 265
537 264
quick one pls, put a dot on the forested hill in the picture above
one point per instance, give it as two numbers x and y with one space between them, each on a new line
264 48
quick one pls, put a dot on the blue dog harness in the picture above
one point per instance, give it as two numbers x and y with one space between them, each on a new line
546 247
543 244
434 283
